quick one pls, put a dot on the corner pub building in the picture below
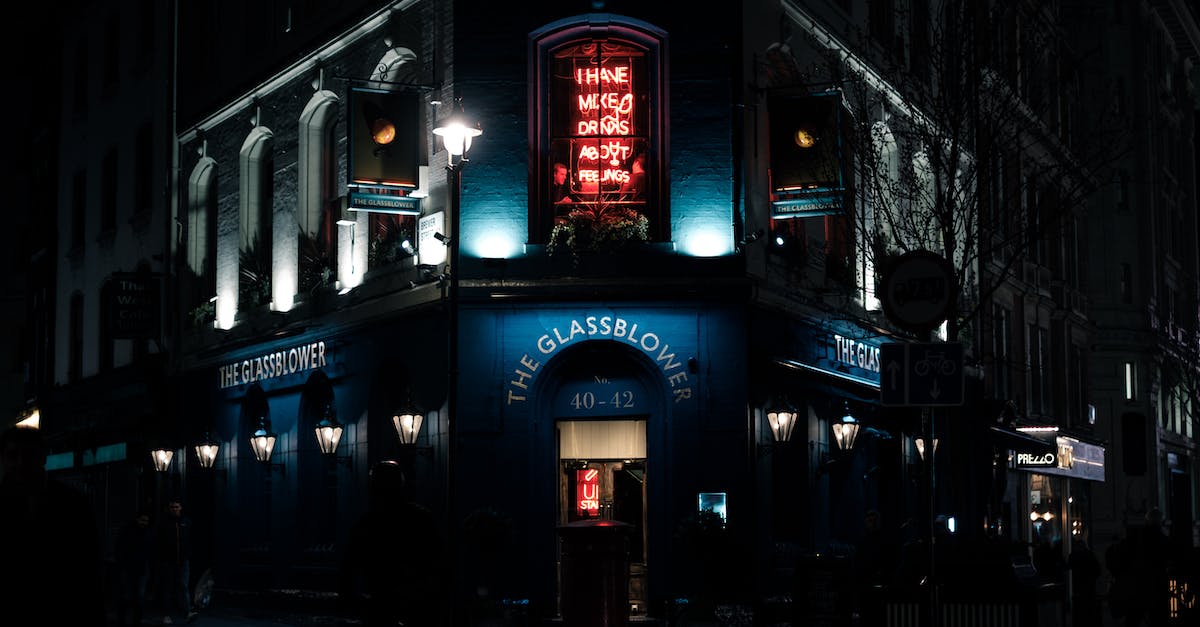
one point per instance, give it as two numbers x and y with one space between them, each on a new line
687 335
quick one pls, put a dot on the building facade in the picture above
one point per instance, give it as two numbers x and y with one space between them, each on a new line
659 288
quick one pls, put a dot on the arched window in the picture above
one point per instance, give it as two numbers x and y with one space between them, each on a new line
318 207
75 337
597 123
318 473
201 246
256 187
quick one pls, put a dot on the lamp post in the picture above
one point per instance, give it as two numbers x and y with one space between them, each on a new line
456 133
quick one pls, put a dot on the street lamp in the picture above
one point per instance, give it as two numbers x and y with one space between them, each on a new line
456 133
845 431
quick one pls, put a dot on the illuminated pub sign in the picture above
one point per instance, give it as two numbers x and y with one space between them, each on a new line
599 126
384 151
587 493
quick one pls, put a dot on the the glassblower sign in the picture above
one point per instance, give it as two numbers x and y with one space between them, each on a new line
593 327
273 364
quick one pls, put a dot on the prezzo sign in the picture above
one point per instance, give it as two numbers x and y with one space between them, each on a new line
1072 459
1036 460
274 364
599 327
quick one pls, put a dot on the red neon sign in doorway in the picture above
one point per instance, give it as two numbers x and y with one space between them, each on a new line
587 493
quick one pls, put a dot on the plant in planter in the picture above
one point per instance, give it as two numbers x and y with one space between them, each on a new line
254 285
316 267
601 226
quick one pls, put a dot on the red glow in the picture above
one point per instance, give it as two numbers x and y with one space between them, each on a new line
601 132
587 492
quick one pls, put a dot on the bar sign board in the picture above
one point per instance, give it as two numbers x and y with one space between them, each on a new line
135 305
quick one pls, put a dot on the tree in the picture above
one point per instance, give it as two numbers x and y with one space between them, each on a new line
967 139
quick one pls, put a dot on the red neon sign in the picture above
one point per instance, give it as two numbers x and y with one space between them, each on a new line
587 493
599 125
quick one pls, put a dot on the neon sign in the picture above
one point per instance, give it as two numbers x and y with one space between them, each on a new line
599 125
587 493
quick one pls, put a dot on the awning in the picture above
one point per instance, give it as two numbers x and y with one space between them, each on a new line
1020 442
832 383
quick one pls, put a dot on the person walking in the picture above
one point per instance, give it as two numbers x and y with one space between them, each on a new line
1085 572
391 566
51 570
173 550
132 550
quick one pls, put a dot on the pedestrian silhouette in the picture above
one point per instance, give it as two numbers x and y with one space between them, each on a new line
874 566
173 552
51 554
392 566
133 549
1148 571
1085 572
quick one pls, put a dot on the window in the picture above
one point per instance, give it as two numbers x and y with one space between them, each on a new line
256 195
1130 372
202 232
1127 283
75 337
78 210
1039 369
79 101
106 343
319 206
108 193
1001 352
112 51
145 22
597 126
144 169
881 19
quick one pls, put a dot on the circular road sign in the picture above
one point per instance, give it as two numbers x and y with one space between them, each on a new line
918 291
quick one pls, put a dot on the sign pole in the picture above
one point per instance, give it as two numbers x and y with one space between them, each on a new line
927 432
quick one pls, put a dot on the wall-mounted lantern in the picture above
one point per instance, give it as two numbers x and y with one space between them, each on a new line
408 424
262 441
920 442
206 451
162 458
781 417
329 430
845 431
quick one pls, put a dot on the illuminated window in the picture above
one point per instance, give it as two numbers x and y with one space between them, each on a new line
596 126
1130 381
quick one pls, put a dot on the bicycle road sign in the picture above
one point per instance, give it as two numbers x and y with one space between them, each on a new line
925 374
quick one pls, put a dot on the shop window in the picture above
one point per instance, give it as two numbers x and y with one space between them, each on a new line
597 130
1001 352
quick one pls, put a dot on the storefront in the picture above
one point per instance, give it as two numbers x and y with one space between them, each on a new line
613 411
1057 489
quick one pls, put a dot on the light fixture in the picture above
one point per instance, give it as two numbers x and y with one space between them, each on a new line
846 431
408 424
329 430
262 441
456 133
162 459
206 451
920 442
781 417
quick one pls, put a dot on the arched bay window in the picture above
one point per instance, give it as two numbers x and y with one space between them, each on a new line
257 171
597 122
